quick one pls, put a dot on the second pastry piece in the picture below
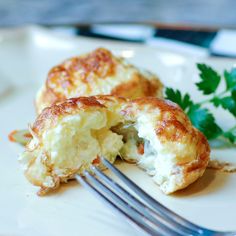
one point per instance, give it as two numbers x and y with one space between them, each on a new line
96 73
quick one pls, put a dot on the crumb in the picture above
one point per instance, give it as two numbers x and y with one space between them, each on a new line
222 166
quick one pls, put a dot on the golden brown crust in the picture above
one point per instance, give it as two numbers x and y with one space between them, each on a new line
69 106
163 105
98 72
201 162
98 64
138 86
171 117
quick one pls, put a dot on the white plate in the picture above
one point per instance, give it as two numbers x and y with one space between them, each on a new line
26 55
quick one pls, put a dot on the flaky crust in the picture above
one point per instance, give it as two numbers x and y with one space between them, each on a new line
50 115
173 128
98 72
170 127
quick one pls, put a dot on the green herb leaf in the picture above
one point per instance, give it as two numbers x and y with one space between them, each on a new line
230 78
183 101
201 117
210 79
229 104
231 136
203 120
216 101
233 93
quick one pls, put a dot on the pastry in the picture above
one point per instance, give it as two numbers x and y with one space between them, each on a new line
153 133
98 72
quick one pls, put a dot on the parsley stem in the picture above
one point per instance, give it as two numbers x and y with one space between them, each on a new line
231 129
212 98
204 101
222 135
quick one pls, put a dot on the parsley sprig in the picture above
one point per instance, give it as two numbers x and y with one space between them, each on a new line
200 116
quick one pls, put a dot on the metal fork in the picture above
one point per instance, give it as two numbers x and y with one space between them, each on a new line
142 210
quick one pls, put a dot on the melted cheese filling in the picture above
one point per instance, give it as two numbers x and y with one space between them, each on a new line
79 140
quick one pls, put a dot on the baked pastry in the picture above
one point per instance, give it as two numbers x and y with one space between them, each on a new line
98 72
154 133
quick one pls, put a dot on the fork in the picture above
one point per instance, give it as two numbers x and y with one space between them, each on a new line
142 210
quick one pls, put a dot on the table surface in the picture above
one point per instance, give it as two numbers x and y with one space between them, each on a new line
208 13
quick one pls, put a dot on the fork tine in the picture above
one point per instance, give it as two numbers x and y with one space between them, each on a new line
140 206
86 184
123 209
117 200
183 224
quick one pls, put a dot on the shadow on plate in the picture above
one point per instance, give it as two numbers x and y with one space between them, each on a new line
211 182
221 144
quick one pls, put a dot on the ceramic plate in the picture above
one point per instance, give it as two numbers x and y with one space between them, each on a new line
26 55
